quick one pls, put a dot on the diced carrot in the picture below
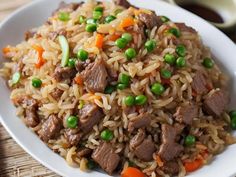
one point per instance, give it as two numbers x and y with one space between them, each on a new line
193 166
40 62
129 21
5 50
99 41
132 172
79 80
113 37
160 163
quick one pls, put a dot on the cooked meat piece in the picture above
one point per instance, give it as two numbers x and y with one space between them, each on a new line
150 20
95 76
57 93
123 3
199 83
84 152
50 128
129 110
185 114
137 139
216 103
112 74
81 65
54 34
89 115
171 168
169 151
67 7
105 156
73 136
30 106
184 27
145 150
142 120
29 34
64 73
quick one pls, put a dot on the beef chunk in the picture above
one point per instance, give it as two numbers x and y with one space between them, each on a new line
105 156
171 168
89 115
199 83
123 3
184 27
64 73
54 34
142 120
30 106
95 76
84 152
216 103
137 139
169 149
57 93
67 7
150 20
112 74
185 114
50 128
81 65
72 136
29 34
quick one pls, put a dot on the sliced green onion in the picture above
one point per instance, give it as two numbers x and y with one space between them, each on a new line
16 77
65 50
64 16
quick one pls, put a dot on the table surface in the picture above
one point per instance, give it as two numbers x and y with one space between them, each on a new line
14 161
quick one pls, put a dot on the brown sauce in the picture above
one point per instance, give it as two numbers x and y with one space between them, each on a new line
203 12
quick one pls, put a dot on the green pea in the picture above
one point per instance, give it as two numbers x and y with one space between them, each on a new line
129 100
164 19
71 62
124 78
169 58
109 18
189 140
232 114
127 36
16 77
180 50
233 123
91 28
82 19
72 122
36 82
181 62
91 21
82 55
121 86
130 53
166 74
175 32
150 45
107 135
121 43
98 8
109 89
157 89
91 164
140 100
64 16
208 63
97 15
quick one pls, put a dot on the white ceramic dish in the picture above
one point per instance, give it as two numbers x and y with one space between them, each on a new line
11 32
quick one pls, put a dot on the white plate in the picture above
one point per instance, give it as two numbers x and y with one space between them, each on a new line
11 32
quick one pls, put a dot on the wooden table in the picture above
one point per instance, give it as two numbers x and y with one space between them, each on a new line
14 161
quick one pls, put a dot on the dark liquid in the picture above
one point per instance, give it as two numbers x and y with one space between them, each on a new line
203 12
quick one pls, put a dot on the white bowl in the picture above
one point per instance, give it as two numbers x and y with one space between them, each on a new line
36 13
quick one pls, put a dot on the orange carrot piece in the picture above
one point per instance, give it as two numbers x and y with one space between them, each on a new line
99 41
132 172
5 50
129 21
79 80
114 37
160 163
193 166
40 62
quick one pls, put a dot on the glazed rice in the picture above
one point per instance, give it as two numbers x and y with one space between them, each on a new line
211 134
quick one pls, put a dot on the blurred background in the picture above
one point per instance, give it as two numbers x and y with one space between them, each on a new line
16 162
